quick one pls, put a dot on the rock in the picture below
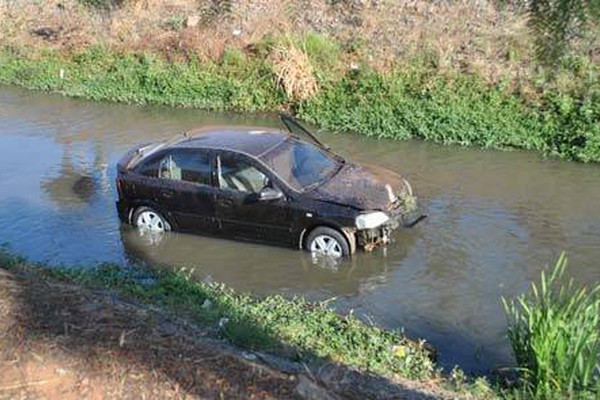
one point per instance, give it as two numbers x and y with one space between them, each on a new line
309 390
222 322
168 329
192 21
248 356
357 385
281 364
46 32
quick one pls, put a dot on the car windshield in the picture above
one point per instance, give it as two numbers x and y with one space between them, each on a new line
301 164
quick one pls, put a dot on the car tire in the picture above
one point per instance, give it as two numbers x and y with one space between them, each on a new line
328 242
149 220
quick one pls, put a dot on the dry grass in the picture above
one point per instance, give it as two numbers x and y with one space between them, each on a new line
475 37
294 72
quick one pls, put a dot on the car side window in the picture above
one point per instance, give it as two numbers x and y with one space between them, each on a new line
186 165
149 168
236 173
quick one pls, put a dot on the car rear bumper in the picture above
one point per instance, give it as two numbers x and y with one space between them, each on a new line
123 211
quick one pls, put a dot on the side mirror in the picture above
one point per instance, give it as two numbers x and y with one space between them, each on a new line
270 194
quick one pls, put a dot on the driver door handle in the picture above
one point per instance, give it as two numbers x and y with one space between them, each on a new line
167 194
226 201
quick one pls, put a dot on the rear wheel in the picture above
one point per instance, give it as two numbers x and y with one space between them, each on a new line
149 220
327 242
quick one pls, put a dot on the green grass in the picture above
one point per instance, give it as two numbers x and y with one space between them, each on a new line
98 74
555 334
292 327
415 100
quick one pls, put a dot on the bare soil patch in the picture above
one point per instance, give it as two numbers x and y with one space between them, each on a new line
61 341
473 36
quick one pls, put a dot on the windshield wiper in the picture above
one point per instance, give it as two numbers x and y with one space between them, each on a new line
326 178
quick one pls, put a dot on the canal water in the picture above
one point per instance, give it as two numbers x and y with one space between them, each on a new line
495 220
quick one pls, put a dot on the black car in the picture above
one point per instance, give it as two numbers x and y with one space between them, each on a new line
262 184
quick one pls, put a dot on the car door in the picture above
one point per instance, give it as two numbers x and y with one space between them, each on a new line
240 210
183 189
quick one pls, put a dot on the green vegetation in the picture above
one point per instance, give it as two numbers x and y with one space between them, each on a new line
294 327
415 100
555 335
554 330
557 22
144 79
102 4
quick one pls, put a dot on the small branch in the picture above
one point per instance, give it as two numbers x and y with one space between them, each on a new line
26 384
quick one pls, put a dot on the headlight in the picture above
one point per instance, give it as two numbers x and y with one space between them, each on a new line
371 220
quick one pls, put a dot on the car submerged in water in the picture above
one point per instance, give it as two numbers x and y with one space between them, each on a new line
266 185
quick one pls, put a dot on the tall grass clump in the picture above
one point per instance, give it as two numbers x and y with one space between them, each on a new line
554 331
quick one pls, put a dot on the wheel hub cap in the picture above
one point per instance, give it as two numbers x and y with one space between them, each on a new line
326 245
150 221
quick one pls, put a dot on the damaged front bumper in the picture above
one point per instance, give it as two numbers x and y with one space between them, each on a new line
370 239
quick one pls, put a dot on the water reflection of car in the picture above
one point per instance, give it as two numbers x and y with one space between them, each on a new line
264 185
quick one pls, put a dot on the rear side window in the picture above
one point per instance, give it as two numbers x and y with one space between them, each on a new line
149 167
180 165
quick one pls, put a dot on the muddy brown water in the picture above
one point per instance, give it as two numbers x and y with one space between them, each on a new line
495 220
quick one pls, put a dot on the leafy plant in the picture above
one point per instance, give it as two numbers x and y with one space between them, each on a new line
555 334
175 22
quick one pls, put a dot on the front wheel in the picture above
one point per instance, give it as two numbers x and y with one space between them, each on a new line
327 242
148 220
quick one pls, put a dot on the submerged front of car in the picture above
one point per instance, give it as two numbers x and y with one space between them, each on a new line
382 202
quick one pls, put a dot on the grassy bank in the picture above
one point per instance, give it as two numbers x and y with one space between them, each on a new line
305 332
459 72
412 100
553 329
293 327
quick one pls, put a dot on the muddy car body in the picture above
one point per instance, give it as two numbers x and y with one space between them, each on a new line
262 184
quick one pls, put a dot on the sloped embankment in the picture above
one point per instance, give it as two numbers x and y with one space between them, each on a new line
61 339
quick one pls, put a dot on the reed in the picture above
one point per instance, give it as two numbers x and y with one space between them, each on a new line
554 331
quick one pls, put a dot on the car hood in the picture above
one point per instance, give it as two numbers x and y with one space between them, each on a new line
362 187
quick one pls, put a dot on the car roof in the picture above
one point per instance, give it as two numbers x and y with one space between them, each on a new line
250 140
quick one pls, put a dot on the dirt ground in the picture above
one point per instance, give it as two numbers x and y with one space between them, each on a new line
61 340
476 36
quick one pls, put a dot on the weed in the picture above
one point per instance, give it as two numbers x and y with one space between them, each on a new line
321 50
214 9
102 4
555 334
175 22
